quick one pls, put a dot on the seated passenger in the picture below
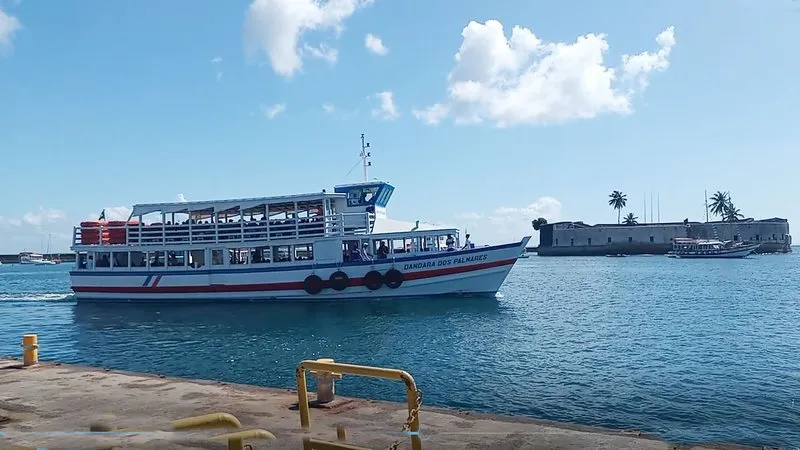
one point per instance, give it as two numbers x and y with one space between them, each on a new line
383 251
365 253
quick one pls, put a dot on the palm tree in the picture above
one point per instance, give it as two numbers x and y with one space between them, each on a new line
618 201
630 219
719 203
731 213
537 224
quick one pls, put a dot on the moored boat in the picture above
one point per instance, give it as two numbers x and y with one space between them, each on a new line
710 248
324 245
34 259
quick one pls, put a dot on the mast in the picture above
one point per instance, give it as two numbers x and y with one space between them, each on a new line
651 207
645 208
365 155
659 206
706 203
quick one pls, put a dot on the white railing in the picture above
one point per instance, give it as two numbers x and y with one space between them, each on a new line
223 232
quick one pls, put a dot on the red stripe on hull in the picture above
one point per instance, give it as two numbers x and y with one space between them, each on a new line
283 286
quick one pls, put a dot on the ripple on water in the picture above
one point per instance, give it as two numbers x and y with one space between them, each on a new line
696 351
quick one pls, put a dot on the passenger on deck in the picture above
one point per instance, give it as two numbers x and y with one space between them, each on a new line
366 255
355 254
451 243
467 243
383 251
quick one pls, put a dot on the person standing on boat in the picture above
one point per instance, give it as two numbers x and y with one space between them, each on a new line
467 243
451 243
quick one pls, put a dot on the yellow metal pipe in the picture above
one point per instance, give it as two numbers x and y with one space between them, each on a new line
316 444
30 349
341 433
367 371
236 440
302 398
353 369
216 420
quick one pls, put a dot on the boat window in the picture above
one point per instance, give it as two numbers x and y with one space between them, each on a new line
260 255
238 255
197 258
652 239
138 259
156 259
120 259
303 252
81 261
282 253
102 259
176 258
216 257
398 246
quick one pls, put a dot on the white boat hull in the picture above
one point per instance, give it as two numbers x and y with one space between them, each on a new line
38 263
478 271
736 252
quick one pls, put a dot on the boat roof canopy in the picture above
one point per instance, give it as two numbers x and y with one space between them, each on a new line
228 205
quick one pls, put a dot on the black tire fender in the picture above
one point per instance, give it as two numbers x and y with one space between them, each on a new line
393 278
339 280
373 280
313 284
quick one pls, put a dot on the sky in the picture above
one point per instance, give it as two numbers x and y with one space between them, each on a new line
483 115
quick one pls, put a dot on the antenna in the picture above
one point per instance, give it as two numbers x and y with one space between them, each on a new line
706 203
365 155
651 207
659 206
645 208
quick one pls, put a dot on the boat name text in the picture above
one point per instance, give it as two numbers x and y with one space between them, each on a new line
445 262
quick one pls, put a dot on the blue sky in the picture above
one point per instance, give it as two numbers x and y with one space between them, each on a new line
107 104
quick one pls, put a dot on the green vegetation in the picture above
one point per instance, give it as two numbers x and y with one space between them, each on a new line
618 201
630 219
538 223
721 205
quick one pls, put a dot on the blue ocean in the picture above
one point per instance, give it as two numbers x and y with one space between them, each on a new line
696 351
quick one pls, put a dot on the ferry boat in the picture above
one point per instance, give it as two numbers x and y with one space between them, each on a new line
710 248
34 259
318 246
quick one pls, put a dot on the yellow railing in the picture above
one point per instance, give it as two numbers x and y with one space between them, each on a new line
327 366
207 421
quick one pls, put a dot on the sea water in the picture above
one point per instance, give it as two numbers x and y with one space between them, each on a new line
691 350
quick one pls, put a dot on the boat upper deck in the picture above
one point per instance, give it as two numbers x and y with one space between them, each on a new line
350 210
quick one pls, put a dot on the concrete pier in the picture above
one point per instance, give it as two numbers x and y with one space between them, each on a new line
50 397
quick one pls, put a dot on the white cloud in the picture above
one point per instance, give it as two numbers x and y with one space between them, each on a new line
275 28
508 224
9 25
322 52
328 108
216 61
524 80
43 216
271 111
431 115
182 198
387 109
375 44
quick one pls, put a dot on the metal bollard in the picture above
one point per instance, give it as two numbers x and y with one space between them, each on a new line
30 350
326 383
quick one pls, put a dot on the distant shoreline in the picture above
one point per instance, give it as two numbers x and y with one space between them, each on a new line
64 257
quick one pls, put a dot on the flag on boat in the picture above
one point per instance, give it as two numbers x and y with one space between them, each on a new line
102 215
